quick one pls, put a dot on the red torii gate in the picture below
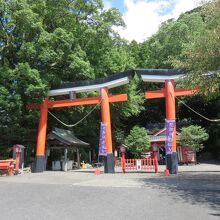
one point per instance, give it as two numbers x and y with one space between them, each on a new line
72 88
167 76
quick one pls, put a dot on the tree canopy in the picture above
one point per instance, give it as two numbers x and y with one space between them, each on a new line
137 141
44 43
193 136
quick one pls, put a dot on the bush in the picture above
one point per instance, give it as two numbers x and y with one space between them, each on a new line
193 136
137 141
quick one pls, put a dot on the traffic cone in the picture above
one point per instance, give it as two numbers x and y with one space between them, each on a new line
97 171
166 172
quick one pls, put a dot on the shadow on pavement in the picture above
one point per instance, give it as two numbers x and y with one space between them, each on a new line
189 187
116 172
204 171
214 214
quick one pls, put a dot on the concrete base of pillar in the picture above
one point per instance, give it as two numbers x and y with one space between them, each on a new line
39 164
109 164
172 163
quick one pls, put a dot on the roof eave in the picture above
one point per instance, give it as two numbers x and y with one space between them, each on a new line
160 78
109 85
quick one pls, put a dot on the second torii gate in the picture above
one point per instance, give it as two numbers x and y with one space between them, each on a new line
71 89
167 76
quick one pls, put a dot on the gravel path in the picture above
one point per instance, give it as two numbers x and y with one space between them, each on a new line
192 194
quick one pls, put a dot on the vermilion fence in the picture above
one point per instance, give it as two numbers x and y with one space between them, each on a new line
146 164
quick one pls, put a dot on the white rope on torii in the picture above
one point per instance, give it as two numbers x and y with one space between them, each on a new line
208 119
73 125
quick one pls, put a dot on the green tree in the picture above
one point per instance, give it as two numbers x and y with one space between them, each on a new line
193 136
191 42
200 55
44 43
137 141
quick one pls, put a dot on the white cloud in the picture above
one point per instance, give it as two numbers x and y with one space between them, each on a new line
143 17
183 6
107 4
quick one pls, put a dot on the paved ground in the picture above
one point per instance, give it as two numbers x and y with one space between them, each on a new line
193 194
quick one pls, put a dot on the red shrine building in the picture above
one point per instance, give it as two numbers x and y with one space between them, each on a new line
185 155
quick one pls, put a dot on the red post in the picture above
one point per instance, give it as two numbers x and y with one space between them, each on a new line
155 151
41 139
11 170
17 150
105 109
18 153
170 107
172 163
155 161
123 161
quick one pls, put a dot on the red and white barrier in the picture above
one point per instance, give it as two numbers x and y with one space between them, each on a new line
146 164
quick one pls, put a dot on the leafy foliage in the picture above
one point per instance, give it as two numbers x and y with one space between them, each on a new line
191 42
200 55
193 136
137 141
46 42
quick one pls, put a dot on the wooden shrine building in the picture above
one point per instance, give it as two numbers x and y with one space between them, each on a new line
63 150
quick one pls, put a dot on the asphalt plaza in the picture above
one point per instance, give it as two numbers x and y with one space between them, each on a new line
192 194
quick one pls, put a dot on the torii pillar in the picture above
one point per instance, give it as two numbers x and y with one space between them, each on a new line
171 155
169 93
39 164
109 166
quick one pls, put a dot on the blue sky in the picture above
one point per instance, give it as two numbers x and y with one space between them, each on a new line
143 17
117 4
121 6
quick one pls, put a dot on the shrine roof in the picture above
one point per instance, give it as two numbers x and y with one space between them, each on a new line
65 137
156 128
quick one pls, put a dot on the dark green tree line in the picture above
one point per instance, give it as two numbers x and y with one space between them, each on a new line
46 42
